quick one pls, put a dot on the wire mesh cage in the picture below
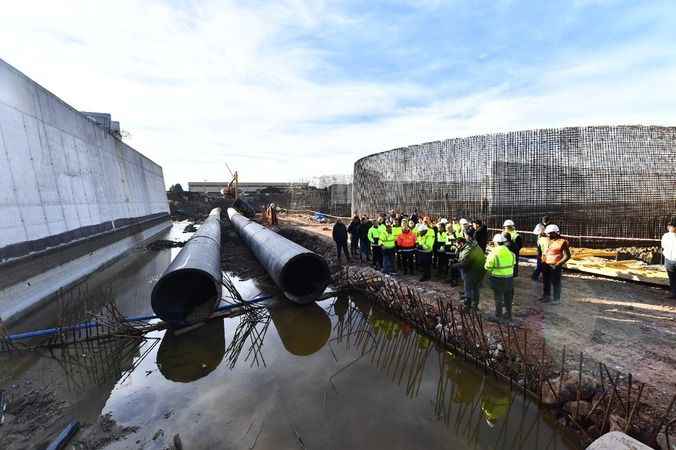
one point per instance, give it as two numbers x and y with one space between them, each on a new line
593 181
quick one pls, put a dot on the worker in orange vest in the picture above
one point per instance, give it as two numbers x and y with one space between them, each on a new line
555 253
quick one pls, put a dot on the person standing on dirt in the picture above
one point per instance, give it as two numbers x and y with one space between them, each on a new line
555 253
669 253
340 237
539 232
406 245
353 231
471 264
514 242
500 267
425 245
389 243
480 234
364 244
376 247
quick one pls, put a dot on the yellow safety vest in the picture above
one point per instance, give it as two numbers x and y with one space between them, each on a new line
500 262
388 239
458 230
396 231
426 242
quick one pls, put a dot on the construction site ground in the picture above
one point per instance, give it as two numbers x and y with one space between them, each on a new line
628 326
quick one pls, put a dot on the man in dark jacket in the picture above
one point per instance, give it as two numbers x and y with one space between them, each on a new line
340 236
353 231
480 234
471 264
364 244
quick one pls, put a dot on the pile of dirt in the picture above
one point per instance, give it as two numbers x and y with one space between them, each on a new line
33 415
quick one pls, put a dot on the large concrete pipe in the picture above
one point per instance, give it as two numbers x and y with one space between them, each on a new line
301 274
190 288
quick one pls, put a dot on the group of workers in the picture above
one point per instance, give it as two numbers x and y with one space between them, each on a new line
455 248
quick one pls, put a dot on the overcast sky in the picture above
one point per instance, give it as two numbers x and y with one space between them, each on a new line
286 90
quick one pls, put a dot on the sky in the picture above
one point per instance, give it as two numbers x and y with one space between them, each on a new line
287 90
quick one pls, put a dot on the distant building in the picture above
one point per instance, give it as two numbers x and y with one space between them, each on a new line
215 187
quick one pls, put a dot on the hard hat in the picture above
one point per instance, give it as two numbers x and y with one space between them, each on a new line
464 222
272 205
443 220
422 227
508 223
499 238
551 229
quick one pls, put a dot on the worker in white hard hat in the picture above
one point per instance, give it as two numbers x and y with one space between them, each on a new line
539 232
514 242
499 265
555 253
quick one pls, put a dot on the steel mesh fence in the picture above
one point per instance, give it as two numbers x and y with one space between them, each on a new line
592 181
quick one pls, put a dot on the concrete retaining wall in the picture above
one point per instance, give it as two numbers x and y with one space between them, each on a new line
62 177
73 197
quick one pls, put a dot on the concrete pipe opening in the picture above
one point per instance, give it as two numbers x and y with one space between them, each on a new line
180 292
304 277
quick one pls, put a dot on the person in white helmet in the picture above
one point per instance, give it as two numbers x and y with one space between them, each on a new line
500 268
555 253
514 242
669 253
464 224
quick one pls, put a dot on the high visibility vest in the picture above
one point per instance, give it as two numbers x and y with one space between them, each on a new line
406 240
458 230
442 237
426 241
382 227
553 253
373 234
514 234
396 231
388 239
500 262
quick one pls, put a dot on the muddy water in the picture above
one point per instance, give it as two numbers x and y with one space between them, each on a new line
334 375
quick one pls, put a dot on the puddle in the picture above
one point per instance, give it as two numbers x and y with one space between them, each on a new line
338 374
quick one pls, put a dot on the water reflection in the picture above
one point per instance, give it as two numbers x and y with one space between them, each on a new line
304 330
193 355
476 406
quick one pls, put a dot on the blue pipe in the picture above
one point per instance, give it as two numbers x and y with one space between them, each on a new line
82 326
66 435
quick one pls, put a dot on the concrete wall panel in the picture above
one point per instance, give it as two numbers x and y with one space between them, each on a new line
60 172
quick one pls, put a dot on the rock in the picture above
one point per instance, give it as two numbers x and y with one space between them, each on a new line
584 408
617 441
568 388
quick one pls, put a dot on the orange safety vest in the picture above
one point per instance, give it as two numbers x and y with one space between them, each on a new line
553 251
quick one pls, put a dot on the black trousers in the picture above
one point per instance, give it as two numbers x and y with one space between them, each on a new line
552 281
354 244
406 261
340 247
377 256
425 260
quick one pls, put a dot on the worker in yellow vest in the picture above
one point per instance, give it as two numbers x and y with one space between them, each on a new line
440 248
500 267
388 241
376 247
425 245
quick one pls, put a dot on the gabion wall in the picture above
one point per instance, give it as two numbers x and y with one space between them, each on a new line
593 181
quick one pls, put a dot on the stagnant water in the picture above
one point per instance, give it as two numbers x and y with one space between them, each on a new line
339 374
